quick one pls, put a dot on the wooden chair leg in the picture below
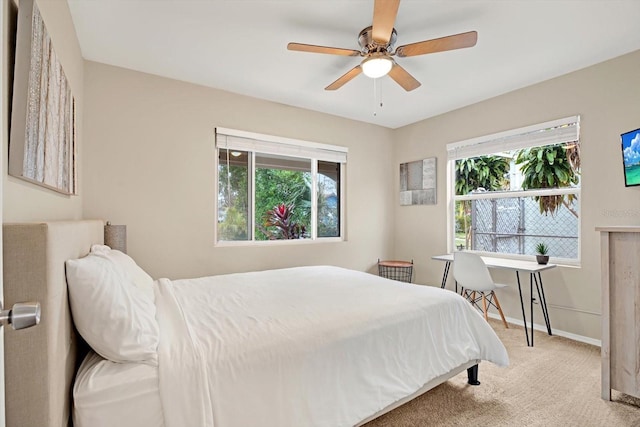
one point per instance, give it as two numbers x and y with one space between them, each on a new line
484 306
495 299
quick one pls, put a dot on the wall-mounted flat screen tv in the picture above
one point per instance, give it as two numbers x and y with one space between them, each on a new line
631 157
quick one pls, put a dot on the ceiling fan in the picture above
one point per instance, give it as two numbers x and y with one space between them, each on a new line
377 47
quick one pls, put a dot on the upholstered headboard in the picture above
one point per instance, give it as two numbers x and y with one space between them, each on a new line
40 362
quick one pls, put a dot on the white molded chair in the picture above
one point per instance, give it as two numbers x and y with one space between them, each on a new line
472 274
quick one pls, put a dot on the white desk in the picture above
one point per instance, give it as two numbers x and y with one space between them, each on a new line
530 267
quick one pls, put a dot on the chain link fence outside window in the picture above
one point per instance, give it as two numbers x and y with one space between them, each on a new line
515 226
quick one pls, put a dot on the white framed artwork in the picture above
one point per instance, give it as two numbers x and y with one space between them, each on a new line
42 143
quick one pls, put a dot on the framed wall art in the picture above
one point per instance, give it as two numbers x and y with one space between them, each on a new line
418 182
631 157
42 143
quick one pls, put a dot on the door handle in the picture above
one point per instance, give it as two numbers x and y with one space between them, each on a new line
22 315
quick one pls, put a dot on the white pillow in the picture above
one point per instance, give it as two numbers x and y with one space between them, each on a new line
138 276
115 317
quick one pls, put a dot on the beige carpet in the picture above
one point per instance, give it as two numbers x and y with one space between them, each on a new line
555 383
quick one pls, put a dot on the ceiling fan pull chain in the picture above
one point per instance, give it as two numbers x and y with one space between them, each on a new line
377 96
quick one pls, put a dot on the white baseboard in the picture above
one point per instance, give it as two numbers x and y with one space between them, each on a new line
543 328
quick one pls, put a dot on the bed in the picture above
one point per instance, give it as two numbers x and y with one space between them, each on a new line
316 346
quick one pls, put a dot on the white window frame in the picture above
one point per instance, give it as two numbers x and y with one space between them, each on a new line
552 132
253 143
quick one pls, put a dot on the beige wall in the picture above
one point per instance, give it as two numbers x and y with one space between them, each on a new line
606 97
24 201
149 163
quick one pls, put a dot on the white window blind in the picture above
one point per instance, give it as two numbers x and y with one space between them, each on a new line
553 132
248 141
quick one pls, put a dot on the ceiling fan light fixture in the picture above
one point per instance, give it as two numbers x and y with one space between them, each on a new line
376 66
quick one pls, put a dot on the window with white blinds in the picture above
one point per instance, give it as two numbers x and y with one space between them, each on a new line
513 190
559 131
274 145
273 188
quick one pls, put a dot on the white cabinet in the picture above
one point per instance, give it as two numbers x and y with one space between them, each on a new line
620 252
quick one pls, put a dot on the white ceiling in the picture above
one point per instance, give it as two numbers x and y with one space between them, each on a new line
240 46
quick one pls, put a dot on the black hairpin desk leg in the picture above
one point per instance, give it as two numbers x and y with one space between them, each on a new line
446 274
543 302
524 316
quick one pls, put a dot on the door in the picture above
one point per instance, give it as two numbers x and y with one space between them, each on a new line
4 136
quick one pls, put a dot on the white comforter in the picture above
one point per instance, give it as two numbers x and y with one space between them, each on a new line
309 346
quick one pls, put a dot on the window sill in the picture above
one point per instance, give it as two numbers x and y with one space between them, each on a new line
266 243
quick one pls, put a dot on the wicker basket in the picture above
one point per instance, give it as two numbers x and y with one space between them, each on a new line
396 270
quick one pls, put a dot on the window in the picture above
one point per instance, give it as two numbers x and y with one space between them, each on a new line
511 191
272 188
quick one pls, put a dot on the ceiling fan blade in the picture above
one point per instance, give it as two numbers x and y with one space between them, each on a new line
403 78
384 17
322 49
346 77
442 44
